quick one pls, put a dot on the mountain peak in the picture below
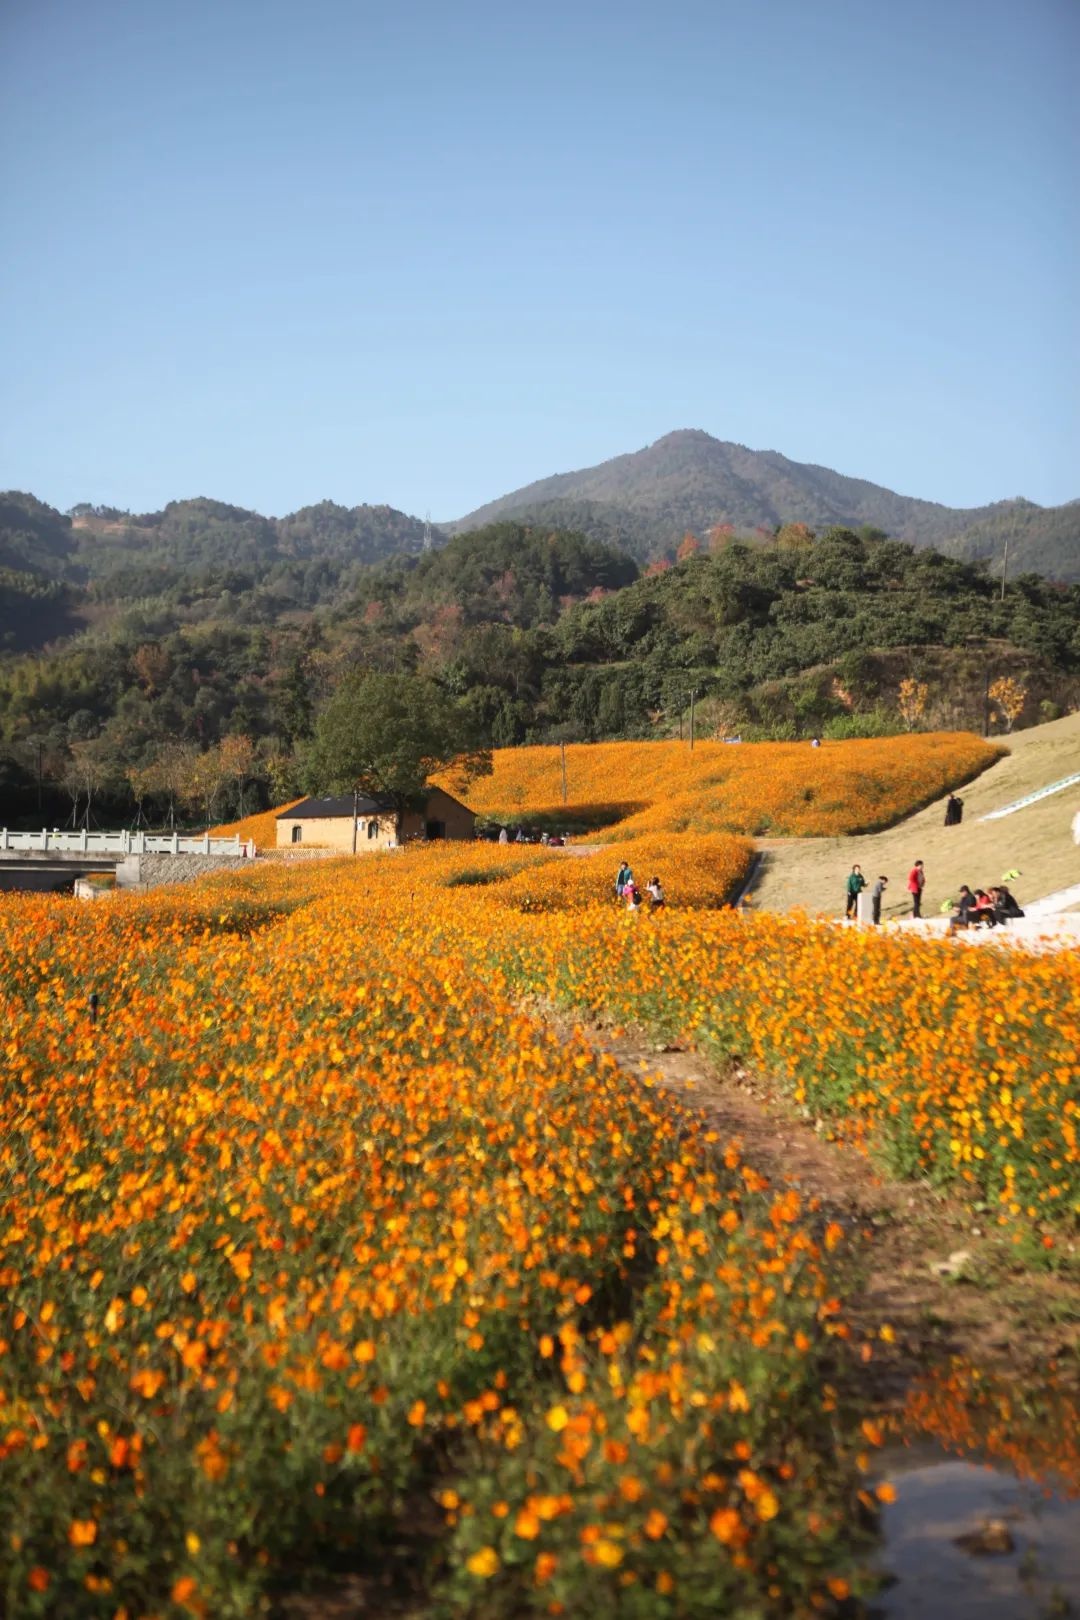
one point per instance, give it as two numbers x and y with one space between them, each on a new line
689 481
685 436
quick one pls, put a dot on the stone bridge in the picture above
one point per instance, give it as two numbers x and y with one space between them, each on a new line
51 859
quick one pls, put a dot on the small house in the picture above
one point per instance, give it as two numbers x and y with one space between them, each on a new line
364 824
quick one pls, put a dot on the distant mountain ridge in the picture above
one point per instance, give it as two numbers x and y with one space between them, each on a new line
689 482
642 503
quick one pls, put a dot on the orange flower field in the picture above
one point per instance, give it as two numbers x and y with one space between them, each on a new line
313 1227
957 1065
315 1243
784 789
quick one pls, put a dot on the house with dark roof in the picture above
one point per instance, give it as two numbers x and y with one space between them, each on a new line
362 824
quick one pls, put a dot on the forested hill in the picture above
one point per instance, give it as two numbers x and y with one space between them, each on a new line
96 541
689 482
539 636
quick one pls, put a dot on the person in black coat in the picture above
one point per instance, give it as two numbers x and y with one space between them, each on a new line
1005 905
965 905
954 811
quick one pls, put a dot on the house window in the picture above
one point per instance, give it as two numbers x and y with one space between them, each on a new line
297 834
373 829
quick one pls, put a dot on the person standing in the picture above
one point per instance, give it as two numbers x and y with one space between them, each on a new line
856 883
916 883
876 894
954 811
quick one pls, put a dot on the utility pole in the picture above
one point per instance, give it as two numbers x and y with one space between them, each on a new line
693 695
355 813
1004 568
562 753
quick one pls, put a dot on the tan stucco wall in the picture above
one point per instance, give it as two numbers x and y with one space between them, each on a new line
440 807
336 832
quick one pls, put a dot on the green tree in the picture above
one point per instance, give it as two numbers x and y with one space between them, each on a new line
388 735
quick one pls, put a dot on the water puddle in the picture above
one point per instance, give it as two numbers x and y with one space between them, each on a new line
968 1541
985 1524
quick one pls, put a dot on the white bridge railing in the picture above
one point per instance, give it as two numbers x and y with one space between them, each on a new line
119 843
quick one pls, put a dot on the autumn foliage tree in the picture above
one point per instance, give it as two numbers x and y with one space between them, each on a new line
167 776
911 701
794 537
1008 696
237 756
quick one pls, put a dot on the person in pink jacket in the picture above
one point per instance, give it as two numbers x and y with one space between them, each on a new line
916 883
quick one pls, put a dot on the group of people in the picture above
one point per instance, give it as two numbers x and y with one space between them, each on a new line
974 908
627 891
856 883
983 908
523 836
915 878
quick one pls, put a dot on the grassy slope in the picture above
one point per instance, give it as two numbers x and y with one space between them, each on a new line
810 872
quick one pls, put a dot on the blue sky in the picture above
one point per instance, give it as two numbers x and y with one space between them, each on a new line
426 253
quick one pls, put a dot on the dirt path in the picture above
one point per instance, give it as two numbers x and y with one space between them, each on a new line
922 1264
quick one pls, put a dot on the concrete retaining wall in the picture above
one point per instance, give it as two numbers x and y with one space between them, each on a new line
151 871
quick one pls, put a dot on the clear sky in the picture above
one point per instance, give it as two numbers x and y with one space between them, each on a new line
424 253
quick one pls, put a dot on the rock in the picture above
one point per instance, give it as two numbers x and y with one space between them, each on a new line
953 1266
991 1538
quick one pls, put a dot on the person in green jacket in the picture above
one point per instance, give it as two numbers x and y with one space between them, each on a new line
856 883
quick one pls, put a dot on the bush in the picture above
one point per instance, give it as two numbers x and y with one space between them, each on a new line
876 722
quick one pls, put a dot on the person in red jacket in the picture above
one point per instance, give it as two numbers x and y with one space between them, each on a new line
916 883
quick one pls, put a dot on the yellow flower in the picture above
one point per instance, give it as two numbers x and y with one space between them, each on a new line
483 1563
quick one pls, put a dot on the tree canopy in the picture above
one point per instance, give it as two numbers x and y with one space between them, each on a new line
387 735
